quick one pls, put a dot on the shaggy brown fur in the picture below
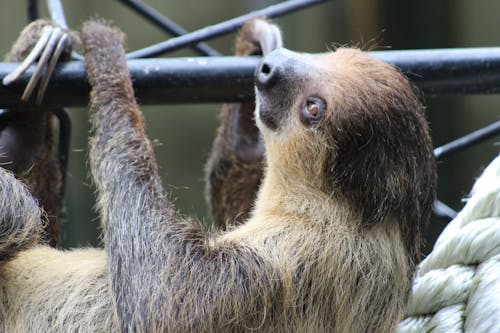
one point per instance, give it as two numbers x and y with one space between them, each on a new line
310 258
21 218
28 144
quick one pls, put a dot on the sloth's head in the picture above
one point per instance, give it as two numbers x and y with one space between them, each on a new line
352 127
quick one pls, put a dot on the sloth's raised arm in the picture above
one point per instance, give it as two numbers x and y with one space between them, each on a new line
235 168
164 275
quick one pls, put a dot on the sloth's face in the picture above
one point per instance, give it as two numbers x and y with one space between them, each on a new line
339 116
286 82
313 89
322 97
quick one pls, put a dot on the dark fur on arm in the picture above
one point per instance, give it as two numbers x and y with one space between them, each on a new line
160 265
232 182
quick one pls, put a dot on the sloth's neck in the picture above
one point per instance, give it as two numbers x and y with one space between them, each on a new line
284 201
287 196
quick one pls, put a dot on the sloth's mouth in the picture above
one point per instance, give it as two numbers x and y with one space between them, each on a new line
267 113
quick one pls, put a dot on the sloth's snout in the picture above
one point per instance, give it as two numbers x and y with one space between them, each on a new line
279 78
278 66
267 74
281 67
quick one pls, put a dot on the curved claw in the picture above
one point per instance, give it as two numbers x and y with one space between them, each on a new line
31 58
48 49
50 69
268 35
44 60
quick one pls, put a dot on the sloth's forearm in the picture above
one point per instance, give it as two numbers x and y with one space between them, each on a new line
235 167
155 257
121 157
133 208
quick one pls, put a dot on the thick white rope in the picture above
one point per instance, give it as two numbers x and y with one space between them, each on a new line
457 287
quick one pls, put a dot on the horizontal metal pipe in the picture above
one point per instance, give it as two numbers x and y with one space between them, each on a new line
460 71
468 140
221 28
166 24
230 79
156 81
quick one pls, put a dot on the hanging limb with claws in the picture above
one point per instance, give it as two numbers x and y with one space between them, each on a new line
235 167
48 49
28 136
45 42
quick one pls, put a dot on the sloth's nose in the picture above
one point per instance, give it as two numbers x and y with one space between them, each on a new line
279 66
272 68
267 74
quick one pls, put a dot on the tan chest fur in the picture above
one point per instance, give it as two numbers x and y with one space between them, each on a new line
46 290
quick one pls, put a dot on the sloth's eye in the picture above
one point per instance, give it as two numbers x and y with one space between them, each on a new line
312 110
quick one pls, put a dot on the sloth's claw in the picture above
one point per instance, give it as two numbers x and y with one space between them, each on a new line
44 60
47 50
268 35
61 45
31 58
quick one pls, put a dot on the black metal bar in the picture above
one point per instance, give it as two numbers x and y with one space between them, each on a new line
64 138
468 140
6 114
32 10
229 79
220 28
441 210
57 16
63 144
166 24
449 71
156 81
56 11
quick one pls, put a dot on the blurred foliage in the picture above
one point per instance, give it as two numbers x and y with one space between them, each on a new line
184 133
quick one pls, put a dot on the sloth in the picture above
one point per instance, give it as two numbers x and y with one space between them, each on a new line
323 235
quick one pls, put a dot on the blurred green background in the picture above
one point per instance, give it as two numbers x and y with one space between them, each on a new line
185 132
